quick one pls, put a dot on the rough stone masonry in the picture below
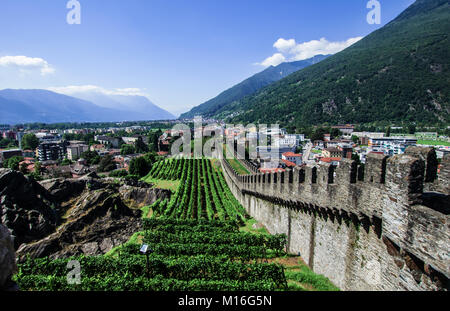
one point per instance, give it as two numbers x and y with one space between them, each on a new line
384 226
7 259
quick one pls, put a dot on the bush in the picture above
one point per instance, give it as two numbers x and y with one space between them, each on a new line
118 173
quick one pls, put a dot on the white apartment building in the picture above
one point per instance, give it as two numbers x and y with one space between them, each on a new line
74 151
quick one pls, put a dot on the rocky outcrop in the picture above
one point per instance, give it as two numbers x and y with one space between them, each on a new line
98 221
142 196
7 259
134 192
66 217
25 207
62 189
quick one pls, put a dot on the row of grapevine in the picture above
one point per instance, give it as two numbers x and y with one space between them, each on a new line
202 193
181 268
186 255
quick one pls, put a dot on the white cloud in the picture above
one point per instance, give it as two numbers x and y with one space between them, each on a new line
290 50
76 89
283 45
274 60
25 63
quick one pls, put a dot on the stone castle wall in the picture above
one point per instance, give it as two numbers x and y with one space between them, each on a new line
384 226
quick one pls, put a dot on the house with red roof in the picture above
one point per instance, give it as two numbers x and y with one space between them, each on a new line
332 160
289 163
295 158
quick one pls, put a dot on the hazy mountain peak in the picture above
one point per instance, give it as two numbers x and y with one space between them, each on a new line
26 106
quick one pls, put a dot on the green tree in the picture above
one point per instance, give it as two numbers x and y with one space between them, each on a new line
127 149
335 133
91 157
140 146
355 139
13 162
7 143
30 141
318 134
38 168
118 173
388 132
151 157
139 166
153 139
106 164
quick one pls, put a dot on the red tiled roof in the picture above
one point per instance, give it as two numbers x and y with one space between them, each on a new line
289 163
291 154
329 160
162 153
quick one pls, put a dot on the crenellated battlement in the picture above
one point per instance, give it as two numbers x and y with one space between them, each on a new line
403 199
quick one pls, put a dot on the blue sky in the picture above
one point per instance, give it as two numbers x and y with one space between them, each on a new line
178 53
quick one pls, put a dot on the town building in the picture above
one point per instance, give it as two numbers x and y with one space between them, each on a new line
368 134
98 147
346 150
74 152
427 135
442 152
7 154
266 152
51 151
134 139
345 129
80 169
10 135
292 157
332 153
47 137
333 160
106 140
391 145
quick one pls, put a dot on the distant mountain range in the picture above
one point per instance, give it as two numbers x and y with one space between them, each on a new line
397 73
250 86
27 106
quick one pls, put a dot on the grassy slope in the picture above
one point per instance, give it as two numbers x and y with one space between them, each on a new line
236 165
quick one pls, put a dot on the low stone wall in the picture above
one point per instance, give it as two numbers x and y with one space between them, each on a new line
367 230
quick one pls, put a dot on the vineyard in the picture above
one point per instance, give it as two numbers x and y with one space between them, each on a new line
202 194
197 243
219 257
